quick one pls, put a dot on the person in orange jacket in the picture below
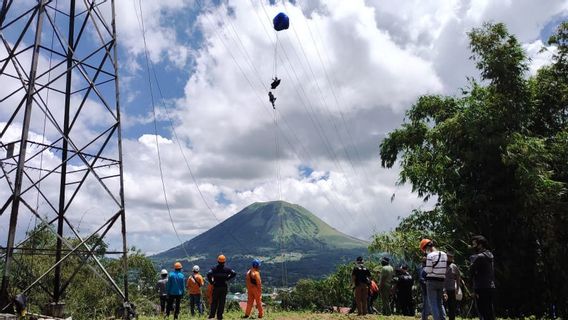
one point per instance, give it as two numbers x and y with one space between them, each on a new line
209 294
254 289
194 284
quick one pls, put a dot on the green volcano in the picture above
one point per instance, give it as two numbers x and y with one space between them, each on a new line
274 231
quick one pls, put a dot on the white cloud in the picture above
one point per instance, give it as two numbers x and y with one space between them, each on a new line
379 56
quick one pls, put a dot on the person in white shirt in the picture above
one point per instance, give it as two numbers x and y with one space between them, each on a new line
436 265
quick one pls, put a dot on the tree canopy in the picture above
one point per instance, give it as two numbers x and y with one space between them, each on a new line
495 157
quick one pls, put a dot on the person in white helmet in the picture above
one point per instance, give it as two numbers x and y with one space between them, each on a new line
194 284
161 289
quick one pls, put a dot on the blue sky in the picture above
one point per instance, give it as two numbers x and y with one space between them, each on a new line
349 71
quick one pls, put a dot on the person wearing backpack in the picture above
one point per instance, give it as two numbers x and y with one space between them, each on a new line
361 279
194 284
373 295
254 289
436 265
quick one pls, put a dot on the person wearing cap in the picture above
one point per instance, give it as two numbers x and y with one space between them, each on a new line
436 264
194 284
361 279
385 285
175 289
161 289
453 279
218 276
254 289
483 277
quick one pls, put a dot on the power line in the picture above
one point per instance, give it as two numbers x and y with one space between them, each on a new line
156 130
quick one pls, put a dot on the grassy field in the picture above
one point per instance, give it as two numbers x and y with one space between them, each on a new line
290 316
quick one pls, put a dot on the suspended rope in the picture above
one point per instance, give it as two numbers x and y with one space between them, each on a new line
155 121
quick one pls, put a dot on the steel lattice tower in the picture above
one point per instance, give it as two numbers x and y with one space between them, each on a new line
60 139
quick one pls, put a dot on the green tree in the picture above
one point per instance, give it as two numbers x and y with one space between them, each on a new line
495 158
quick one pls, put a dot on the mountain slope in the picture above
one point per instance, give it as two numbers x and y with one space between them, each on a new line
267 230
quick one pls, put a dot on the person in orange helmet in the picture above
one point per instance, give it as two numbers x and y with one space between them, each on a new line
194 284
218 276
254 289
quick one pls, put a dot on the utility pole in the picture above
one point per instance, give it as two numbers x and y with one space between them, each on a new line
60 101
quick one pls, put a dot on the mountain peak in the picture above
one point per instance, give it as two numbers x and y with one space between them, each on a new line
267 228
273 231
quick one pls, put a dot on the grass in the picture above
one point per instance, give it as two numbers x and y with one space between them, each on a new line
288 316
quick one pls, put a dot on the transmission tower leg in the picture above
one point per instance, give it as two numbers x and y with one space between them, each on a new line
5 300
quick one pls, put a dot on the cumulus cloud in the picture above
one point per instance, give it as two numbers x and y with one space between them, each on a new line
349 71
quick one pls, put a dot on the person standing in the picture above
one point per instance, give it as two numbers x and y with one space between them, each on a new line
436 265
385 285
404 291
422 281
483 276
161 288
361 278
254 289
194 284
373 295
218 276
453 279
176 290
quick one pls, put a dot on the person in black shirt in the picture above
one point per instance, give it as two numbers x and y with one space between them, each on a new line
483 276
218 276
404 285
361 278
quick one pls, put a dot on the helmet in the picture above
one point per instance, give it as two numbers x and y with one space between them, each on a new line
424 243
221 259
177 266
195 268
256 263
163 272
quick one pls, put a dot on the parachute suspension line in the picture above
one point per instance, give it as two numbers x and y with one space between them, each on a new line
175 135
147 60
277 155
307 106
275 71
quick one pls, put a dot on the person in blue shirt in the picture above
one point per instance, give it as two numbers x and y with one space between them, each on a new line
175 289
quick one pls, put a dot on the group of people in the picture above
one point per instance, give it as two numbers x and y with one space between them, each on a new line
439 278
173 286
390 282
442 280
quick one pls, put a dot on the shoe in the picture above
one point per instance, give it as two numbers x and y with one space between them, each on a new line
245 317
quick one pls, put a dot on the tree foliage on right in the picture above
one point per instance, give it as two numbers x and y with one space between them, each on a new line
496 159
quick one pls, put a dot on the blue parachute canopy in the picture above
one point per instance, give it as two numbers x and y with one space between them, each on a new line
281 22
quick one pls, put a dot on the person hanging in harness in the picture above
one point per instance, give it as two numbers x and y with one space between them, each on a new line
254 289
272 99
194 284
219 275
